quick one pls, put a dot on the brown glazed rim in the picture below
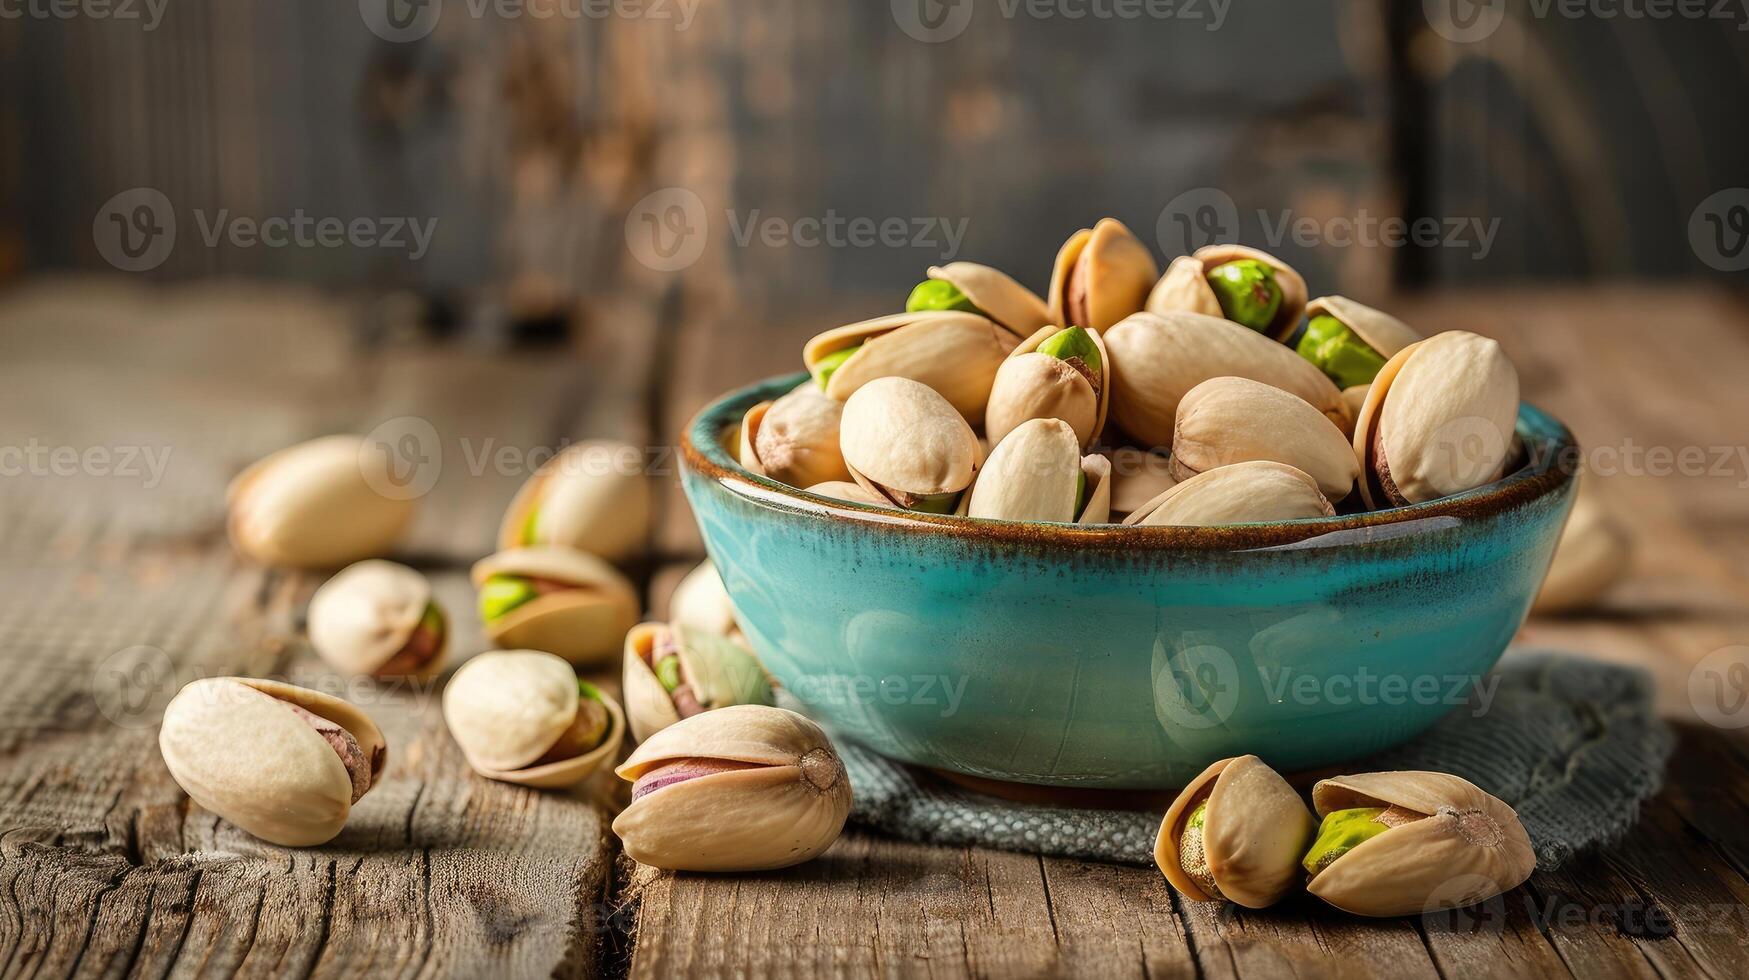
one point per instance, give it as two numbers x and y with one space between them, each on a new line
1548 468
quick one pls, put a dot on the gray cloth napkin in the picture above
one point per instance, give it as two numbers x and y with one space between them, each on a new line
1572 744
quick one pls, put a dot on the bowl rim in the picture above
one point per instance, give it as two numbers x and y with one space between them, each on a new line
1549 469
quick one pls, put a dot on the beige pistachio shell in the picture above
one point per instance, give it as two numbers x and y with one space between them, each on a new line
1185 286
1013 306
1101 275
363 616
1030 385
856 493
237 748
1439 419
1232 420
718 673
1031 475
1383 332
583 625
954 353
702 602
1252 492
593 496
1255 831
1468 848
1097 470
794 439
1158 358
902 438
1137 476
786 807
1353 398
1595 552
507 708
319 504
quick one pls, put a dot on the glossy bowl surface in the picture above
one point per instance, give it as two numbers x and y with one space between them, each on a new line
1124 658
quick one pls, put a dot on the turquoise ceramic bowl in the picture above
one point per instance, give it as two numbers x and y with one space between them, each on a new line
1125 658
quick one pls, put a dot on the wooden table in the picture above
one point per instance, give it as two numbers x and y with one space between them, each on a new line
116 583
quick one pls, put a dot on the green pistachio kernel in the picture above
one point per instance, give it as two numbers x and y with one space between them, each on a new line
1341 832
1247 291
1339 352
1191 856
530 526
831 362
1075 343
432 620
588 690
939 294
936 503
668 672
500 594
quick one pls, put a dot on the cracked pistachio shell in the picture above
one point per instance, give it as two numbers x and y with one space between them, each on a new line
1013 306
238 748
1101 275
593 496
1252 492
718 672
856 493
742 788
1384 333
1594 553
316 505
363 616
794 439
701 602
1439 419
507 708
1033 474
954 353
1137 476
902 438
584 624
1031 385
1097 470
1185 287
1467 848
1161 357
1231 420
1255 831
1353 399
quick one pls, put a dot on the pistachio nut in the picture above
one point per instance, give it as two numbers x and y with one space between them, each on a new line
1249 287
1237 833
701 602
1594 553
1101 275
284 763
555 599
1418 834
1157 358
318 504
853 492
743 788
1033 474
593 496
794 439
1352 400
1054 374
1351 341
1095 490
1137 476
523 716
955 353
677 671
378 618
1439 419
1255 491
1231 420
972 288
906 443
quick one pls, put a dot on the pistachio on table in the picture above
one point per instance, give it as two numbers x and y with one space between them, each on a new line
1351 341
555 599
1594 553
1037 473
593 496
1236 833
319 504
794 439
523 716
908 444
1100 276
284 763
378 618
1401 843
702 602
1251 492
1054 374
953 352
1232 420
1249 287
972 288
743 788
676 671
1137 476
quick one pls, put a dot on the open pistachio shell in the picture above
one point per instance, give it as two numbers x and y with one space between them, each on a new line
1137 476
1232 420
1185 287
1033 474
855 492
1158 358
954 353
593 496
1594 553
905 442
1096 473
508 709
316 505
1353 398
252 752
583 623
701 602
1101 275
1383 332
794 439
1031 385
367 616
1253 833
1252 492
742 788
1439 419
1467 847
1013 306
714 673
